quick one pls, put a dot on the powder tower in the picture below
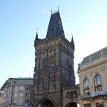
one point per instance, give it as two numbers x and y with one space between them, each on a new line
54 65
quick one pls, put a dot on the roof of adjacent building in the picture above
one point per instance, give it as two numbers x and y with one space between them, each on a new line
99 54
94 94
20 81
98 93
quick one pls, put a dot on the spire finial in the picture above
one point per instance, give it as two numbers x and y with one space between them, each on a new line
51 11
58 8
37 30
72 43
72 39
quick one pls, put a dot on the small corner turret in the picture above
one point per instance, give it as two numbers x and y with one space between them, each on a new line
36 35
36 39
72 43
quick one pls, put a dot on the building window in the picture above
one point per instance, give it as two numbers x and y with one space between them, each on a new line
26 88
20 102
71 95
27 101
16 88
15 94
101 104
26 94
67 94
21 94
87 105
75 94
98 85
45 84
21 88
86 86
14 102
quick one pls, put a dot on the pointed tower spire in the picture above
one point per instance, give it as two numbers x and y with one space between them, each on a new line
72 43
55 25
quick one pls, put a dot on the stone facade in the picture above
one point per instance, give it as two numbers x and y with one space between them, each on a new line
54 66
70 96
93 77
2 100
17 92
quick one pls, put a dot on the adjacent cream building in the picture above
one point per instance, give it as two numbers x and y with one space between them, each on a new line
15 92
93 78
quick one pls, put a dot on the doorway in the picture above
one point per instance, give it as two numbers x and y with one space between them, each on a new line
47 103
73 104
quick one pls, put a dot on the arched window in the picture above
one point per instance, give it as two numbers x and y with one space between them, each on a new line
75 93
67 94
98 85
71 94
86 86
86 83
45 84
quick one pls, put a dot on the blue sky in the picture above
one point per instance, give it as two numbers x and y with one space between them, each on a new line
19 20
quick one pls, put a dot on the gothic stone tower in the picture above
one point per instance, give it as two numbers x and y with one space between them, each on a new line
54 65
